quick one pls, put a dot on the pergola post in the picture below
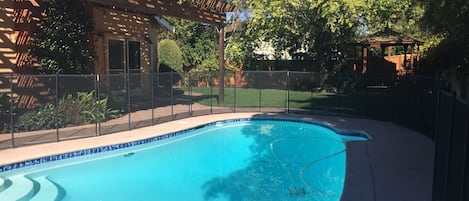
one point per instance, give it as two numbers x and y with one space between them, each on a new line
221 65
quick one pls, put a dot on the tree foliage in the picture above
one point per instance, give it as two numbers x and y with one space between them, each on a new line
198 44
325 28
448 19
169 56
61 44
238 50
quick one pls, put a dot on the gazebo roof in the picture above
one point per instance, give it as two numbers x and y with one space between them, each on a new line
389 37
206 11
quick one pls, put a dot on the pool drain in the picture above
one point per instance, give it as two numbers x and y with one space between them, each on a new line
129 154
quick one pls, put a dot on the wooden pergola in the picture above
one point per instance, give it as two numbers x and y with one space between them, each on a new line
205 11
386 39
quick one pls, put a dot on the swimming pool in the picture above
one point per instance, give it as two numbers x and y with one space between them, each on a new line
243 159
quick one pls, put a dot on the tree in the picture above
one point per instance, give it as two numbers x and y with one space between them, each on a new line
61 44
169 56
448 19
324 28
238 47
198 43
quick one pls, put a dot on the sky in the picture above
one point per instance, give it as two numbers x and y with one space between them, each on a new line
244 15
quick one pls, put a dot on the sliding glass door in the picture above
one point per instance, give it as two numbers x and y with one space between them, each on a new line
124 59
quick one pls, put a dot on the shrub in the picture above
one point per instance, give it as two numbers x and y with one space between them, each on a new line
78 109
84 109
42 118
4 113
169 56
118 103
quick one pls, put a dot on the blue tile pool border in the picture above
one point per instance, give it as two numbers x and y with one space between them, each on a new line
86 152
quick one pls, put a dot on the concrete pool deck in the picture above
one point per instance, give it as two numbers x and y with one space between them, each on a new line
397 164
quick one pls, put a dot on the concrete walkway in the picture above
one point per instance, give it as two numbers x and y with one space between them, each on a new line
396 165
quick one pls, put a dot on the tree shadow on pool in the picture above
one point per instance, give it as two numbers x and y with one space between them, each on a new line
267 176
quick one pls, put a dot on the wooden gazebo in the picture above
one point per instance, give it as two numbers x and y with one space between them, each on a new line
386 39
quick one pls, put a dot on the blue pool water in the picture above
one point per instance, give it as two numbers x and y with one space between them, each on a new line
247 160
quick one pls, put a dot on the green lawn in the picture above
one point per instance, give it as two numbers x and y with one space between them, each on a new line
372 104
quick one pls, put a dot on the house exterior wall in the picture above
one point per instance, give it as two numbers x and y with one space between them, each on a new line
113 24
19 19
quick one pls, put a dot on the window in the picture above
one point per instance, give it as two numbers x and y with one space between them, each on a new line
116 56
134 55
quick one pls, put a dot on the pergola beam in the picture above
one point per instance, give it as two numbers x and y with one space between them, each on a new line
208 11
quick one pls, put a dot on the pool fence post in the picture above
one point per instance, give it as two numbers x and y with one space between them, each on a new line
312 92
152 82
171 90
436 99
100 109
287 102
57 106
127 77
260 91
339 108
211 93
234 92
190 94
12 123
393 100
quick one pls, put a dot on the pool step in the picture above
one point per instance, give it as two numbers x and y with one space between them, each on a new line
21 188
3 184
48 190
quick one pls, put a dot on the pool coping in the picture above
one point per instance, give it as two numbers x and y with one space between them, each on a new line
113 147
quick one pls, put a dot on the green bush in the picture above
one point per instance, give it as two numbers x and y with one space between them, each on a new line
81 108
169 56
118 103
4 113
84 109
42 118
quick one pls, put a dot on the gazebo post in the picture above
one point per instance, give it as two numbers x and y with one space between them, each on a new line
417 65
405 56
412 57
383 50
